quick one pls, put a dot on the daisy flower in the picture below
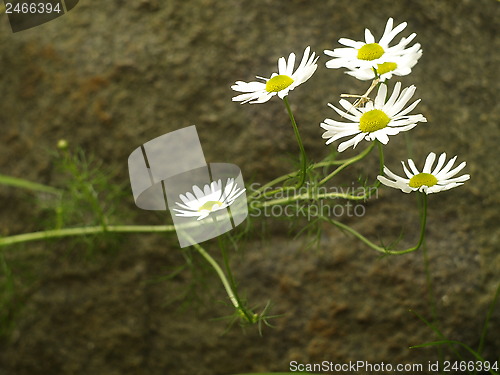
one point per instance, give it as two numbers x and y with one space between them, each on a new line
439 179
399 66
369 54
211 199
280 83
377 120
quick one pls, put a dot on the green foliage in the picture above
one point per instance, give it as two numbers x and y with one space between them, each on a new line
453 344
7 295
88 196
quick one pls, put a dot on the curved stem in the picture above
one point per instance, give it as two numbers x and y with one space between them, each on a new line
348 162
382 249
221 275
83 231
324 163
232 293
25 184
68 232
303 156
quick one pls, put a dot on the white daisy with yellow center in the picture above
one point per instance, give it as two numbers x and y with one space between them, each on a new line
212 198
398 66
377 120
429 180
280 83
369 54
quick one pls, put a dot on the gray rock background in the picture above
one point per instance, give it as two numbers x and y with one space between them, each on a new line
109 76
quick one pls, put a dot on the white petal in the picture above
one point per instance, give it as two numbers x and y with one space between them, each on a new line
389 173
394 96
447 168
428 162
381 95
344 114
386 39
388 29
407 172
281 66
412 166
453 172
342 135
369 37
462 178
290 65
198 192
387 182
352 142
381 136
348 43
349 107
406 95
439 164
409 108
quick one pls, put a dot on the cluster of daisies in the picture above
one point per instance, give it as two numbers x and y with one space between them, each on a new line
387 115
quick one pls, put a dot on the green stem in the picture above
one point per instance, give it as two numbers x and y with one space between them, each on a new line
303 156
25 184
327 163
229 285
225 257
423 220
221 275
430 288
437 332
382 249
83 231
256 194
348 162
430 291
476 355
381 159
488 317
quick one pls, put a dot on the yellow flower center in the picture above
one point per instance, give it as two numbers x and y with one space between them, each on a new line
208 205
373 120
423 179
278 83
386 67
370 52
